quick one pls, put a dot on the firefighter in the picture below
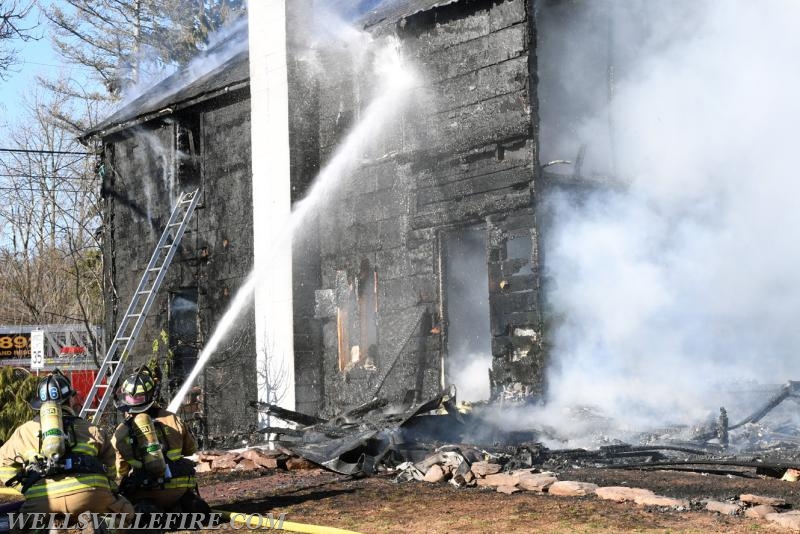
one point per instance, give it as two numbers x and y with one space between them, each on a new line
152 445
60 462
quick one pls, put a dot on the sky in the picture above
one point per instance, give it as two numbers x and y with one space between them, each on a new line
35 57
38 58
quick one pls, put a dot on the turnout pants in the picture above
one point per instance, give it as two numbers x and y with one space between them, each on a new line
100 501
164 500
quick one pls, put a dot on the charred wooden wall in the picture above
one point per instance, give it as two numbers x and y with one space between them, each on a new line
367 271
463 154
145 169
304 162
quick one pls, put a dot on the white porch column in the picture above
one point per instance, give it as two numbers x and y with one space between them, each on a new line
269 103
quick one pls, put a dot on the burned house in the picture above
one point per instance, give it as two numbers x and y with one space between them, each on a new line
421 270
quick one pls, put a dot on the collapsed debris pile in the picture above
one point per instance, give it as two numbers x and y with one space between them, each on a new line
440 441
413 438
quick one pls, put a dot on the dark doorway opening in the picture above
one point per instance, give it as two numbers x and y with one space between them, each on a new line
182 334
469 345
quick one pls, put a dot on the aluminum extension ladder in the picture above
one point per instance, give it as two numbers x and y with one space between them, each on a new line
143 297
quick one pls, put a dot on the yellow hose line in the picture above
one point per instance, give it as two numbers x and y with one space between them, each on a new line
241 520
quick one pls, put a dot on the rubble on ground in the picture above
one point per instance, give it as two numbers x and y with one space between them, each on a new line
250 459
381 437
438 441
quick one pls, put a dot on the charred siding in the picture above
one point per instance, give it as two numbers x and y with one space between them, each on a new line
227 223
144 176
304 161
369 309
466 156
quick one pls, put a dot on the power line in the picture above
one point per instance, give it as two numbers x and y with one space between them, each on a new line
29 151
43 177
38 190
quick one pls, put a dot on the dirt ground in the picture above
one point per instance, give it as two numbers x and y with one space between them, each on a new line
378 505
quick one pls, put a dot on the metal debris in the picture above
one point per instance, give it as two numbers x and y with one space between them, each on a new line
411 439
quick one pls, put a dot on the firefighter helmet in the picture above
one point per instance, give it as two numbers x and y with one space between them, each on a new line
138 391
54 387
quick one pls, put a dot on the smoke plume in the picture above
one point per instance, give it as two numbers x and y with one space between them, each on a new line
681 283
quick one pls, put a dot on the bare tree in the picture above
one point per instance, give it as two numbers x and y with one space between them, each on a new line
50 250
273 376
13 25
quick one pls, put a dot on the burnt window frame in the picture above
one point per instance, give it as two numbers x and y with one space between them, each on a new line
357 318
188 149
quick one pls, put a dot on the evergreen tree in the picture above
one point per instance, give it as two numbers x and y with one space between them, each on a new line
125 42
16 388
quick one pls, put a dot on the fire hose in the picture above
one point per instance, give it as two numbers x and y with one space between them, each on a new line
250 521
246 520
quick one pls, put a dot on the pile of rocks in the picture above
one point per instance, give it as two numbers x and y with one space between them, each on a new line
758 507
250 459
489 475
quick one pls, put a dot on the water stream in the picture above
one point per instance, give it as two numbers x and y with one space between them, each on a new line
395 81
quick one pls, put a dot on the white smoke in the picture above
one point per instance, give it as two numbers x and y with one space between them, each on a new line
223 45
685 280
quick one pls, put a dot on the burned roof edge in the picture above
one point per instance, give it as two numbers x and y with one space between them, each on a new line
211 73
110 129
374 20
393 14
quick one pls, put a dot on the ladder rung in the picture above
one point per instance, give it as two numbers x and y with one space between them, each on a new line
110 366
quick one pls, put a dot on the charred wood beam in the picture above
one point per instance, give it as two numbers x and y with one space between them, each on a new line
790 389
362 410
617 451
750 464
721 430
281 431
722 472
598 183
287 415
676 448
537 454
